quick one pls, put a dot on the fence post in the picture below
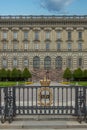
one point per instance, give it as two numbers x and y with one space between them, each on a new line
80 103
76 100
14 102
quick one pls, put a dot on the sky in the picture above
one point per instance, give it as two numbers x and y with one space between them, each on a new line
43 7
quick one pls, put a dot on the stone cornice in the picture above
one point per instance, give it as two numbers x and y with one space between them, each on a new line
65 20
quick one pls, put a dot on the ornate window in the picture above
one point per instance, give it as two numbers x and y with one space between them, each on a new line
26 45
36 62
4 46
15 62
80 62
69 46
80 46
58 34
36 35
4 62
69 35
69 62
58 62
79 35
36 46
26 35
47 63
58 46
15 35
4 35
47 35
47 46
25 62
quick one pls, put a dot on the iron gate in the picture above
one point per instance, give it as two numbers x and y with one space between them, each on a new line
40 100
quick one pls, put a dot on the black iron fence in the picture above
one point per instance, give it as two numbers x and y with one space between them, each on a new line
40 100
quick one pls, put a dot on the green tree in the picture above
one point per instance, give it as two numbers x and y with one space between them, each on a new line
67 74
78 74
0 75
3 74
14 74
9 74
19 77
85 74
26 74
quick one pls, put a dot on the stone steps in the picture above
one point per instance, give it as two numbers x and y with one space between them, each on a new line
43 125
54 75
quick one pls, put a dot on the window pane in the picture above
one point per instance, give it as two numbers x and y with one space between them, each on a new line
26 45
5 35
80 62
47 35
47 46
69 35
25 35
36 62
36 35
69 63
15 46
47 62
69 46
79 46
58 62
4 46
25 62
79 35
58 34
58 46
4 63
15 35
36 46
15 62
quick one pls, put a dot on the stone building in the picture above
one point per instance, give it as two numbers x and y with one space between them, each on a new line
43 43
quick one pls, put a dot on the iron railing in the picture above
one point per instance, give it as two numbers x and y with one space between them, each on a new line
41 100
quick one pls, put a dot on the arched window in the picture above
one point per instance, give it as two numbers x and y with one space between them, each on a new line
80 62
58 62
15 62
25 62
47 63
4 62
36 62
69 62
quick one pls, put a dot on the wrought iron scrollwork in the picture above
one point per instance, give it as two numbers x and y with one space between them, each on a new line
8 108
81 105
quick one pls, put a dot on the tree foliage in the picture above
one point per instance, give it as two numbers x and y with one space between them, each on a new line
85 74
78 74
8 74
67 74
26 74
3 74
14 75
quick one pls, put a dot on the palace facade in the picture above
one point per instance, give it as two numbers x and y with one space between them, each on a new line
43 43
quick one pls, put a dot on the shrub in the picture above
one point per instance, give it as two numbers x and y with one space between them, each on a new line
78 74
67 74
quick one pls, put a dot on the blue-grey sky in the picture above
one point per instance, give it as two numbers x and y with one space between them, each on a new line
43 7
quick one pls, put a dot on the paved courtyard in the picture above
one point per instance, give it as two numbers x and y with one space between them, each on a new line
52 84
45 125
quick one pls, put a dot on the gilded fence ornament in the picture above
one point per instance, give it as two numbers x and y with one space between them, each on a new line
45 96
